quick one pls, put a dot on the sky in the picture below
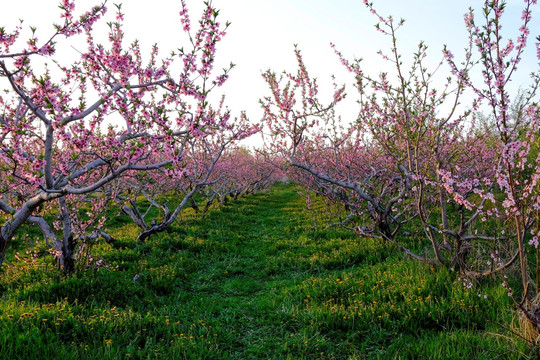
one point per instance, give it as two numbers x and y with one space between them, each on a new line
263 33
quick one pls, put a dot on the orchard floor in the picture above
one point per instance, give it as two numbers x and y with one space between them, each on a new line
260 278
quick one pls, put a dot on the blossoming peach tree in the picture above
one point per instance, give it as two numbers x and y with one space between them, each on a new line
202 162
514 200
69 129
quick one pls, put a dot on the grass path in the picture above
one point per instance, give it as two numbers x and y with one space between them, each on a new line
253 280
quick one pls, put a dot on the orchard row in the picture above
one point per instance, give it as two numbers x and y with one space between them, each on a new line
448 172
451 165
110 130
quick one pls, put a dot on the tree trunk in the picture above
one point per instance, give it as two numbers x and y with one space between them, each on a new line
68 249
3 247
68 244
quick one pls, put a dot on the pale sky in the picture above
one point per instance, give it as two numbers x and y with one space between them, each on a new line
263 32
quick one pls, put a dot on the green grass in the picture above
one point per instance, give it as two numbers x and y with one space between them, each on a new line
253 280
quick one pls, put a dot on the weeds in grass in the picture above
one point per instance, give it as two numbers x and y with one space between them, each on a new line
253 280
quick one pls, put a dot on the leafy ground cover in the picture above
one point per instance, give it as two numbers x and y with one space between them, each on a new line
256 279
